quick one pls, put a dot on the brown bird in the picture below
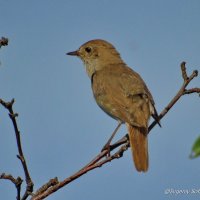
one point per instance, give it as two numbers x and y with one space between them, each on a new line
121 93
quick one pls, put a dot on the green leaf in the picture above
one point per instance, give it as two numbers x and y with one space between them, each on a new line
195 148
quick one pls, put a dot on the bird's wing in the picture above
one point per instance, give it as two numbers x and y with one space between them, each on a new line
134 85
122 93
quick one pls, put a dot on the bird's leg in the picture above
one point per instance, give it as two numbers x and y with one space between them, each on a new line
107 145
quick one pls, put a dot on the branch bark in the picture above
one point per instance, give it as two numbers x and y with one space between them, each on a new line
123 143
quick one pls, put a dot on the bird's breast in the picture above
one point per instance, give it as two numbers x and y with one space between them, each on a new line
102 97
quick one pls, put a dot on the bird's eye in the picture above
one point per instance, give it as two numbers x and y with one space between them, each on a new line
88 49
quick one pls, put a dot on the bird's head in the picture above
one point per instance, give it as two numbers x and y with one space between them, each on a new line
97 54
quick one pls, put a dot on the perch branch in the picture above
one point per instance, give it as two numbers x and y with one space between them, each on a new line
12 115
83 171
123 143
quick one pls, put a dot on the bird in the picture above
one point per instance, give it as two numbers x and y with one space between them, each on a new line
121 93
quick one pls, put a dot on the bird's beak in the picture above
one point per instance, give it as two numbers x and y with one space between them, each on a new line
73 53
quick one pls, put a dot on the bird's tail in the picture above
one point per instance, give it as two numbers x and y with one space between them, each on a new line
139 147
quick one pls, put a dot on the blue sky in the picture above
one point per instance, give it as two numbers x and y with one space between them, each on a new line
61 126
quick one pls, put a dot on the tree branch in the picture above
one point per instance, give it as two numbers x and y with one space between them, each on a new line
17 182
181 92
29 183
123 143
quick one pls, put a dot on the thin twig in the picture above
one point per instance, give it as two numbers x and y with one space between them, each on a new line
181 92
17 182
102 159
193 90
29 183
